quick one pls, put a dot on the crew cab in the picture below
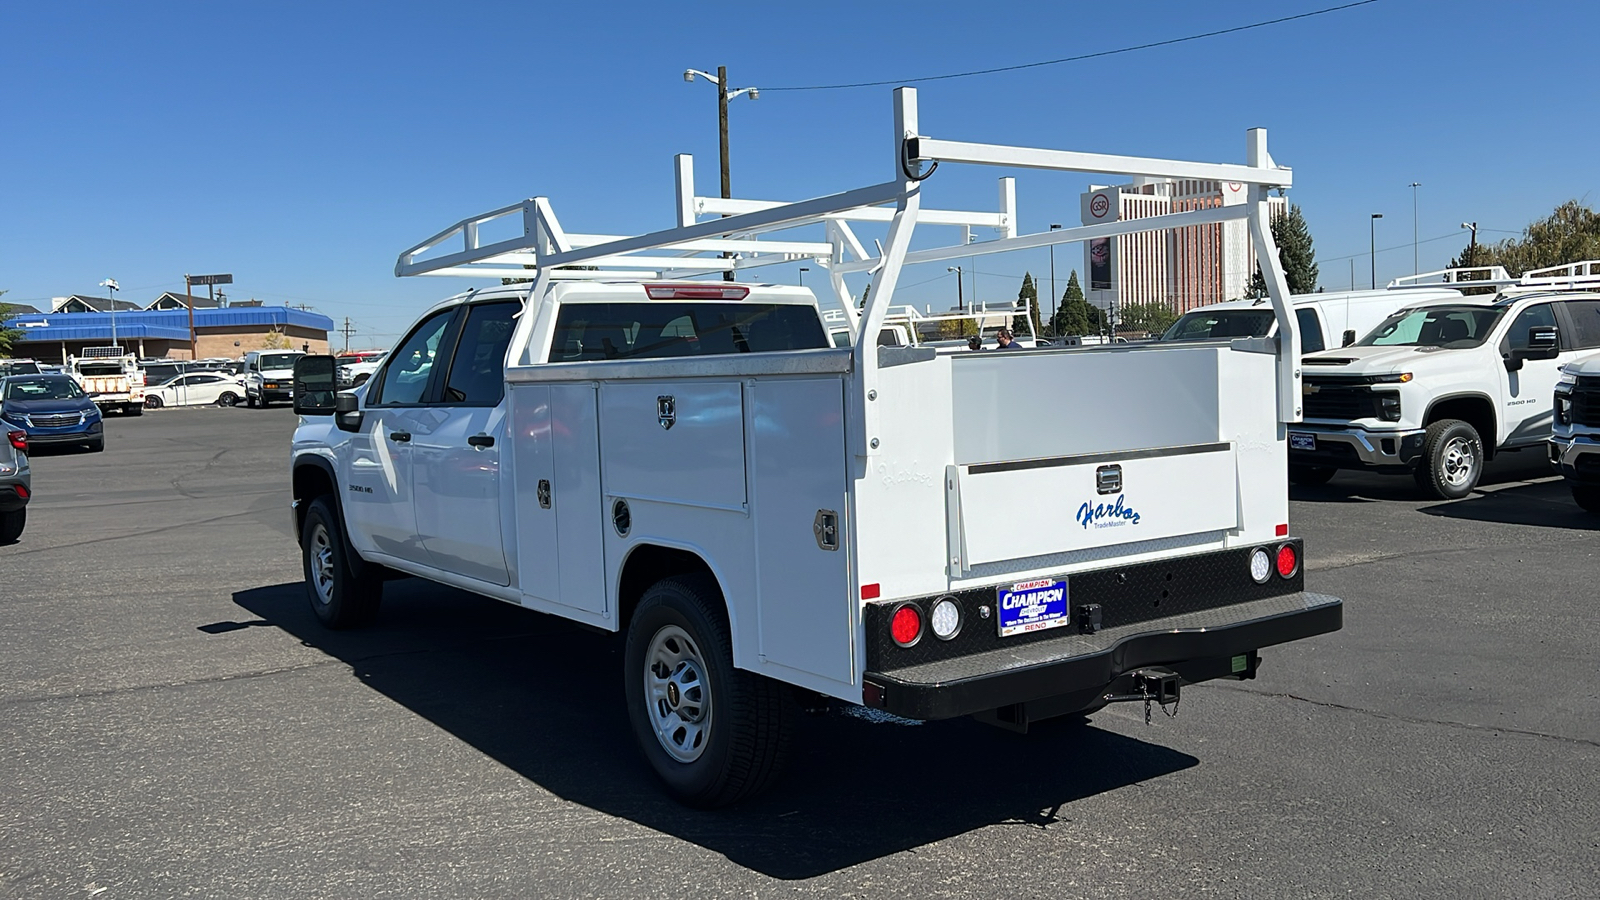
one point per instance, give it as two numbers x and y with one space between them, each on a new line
1441 387
769 518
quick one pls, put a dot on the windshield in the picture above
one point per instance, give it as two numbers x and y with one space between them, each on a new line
42 389
18 368
1447 327
1222 324
279 360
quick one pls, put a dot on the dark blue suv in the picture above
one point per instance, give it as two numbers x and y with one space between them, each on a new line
50 409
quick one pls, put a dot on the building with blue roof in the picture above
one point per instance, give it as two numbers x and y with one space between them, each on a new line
228 332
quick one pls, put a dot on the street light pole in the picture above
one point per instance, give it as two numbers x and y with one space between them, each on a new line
1052 325
1415 268
961 302
110 284
1372 246
723 96
803 271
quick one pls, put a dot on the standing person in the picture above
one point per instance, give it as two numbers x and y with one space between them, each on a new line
974 343
1006 341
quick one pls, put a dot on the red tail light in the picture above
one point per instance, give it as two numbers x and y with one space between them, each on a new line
695 292
1288 561
21 491
905 626
18 439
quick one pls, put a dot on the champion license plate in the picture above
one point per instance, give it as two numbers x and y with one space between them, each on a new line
1033 606
1300 440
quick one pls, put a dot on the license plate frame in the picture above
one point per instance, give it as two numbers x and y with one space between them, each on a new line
1035 605
1302 440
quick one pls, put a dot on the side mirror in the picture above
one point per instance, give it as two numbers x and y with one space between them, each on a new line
1544 342
347 411
1349 337
314 386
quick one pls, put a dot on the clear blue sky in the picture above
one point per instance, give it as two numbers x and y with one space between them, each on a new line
301 146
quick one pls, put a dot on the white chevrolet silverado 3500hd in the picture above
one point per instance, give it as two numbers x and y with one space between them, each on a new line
766 516
1441 387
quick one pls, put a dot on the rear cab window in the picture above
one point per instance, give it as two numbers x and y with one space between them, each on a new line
664 330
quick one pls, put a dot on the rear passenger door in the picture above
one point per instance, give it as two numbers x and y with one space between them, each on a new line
458 446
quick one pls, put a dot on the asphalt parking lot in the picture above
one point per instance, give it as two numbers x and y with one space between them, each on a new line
175 724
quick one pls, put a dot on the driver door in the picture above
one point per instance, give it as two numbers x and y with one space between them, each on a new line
1526 405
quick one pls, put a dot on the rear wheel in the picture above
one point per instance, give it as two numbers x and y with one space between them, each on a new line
715 734
228 398
1311 474
152 402
133 409
1587 496
1452 459
339 596
11 524
250 401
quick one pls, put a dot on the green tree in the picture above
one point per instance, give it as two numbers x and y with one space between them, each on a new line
1075 315
1295 254
9 337
1029 294
1571 233
1153 318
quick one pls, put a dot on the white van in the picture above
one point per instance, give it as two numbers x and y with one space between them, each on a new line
1326 320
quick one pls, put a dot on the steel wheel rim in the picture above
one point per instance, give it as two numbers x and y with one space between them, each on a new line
322 563
677 695
1459 461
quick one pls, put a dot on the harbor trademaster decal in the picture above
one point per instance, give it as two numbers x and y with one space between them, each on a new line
1108 515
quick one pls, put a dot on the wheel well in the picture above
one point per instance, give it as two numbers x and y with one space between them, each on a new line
1475 411
648 564
310 482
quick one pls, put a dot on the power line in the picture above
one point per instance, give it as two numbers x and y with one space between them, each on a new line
1067 59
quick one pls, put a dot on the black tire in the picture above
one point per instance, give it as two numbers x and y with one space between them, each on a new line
133 409
227 398
1587 496
748 719
95 446
1452 460
250 401
344 593
1311 475
11 524
152 402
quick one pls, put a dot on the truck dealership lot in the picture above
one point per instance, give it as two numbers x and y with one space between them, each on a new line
177 723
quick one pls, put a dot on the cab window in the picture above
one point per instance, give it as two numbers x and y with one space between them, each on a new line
605 331
405 378
1532 317
477 369
1585 315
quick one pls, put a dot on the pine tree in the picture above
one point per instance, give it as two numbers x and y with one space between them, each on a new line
1295 254
1074 314
1029 293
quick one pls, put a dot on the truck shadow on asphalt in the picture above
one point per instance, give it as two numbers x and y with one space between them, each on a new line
543 697
1355 486
1547 504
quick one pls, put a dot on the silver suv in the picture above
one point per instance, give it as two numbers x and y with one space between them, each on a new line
15 485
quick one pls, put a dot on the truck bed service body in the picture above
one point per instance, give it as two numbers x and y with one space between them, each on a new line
768 517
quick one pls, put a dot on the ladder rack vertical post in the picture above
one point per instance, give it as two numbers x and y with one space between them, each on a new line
1289 399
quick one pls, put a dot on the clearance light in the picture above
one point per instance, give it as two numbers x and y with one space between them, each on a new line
1282 530
905 626
694 292
18 439
945 620
870 591
1260 565
1288 561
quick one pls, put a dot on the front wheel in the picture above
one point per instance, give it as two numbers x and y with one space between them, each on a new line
1587 496
96 445
11 524
1452 460
1311 475
339 596
250 401
228 398
715 734
152 402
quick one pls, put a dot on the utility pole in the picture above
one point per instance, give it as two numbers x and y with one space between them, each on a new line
724 94
961 302
1473 227
1372 246
347 330
1415 269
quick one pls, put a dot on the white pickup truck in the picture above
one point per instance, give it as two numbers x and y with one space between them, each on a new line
768 517
111 378
1575 433
1441 387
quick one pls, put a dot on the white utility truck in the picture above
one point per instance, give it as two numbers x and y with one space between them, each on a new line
1441 387
1326 319
111 377
771 518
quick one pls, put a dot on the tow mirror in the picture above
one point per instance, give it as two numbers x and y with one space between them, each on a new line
1349 337
347 411
1544 342
314 385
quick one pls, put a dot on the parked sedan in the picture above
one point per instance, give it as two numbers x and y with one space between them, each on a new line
15 488
195 389
50 409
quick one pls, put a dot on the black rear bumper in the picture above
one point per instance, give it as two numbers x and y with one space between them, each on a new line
1075 668
10 499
